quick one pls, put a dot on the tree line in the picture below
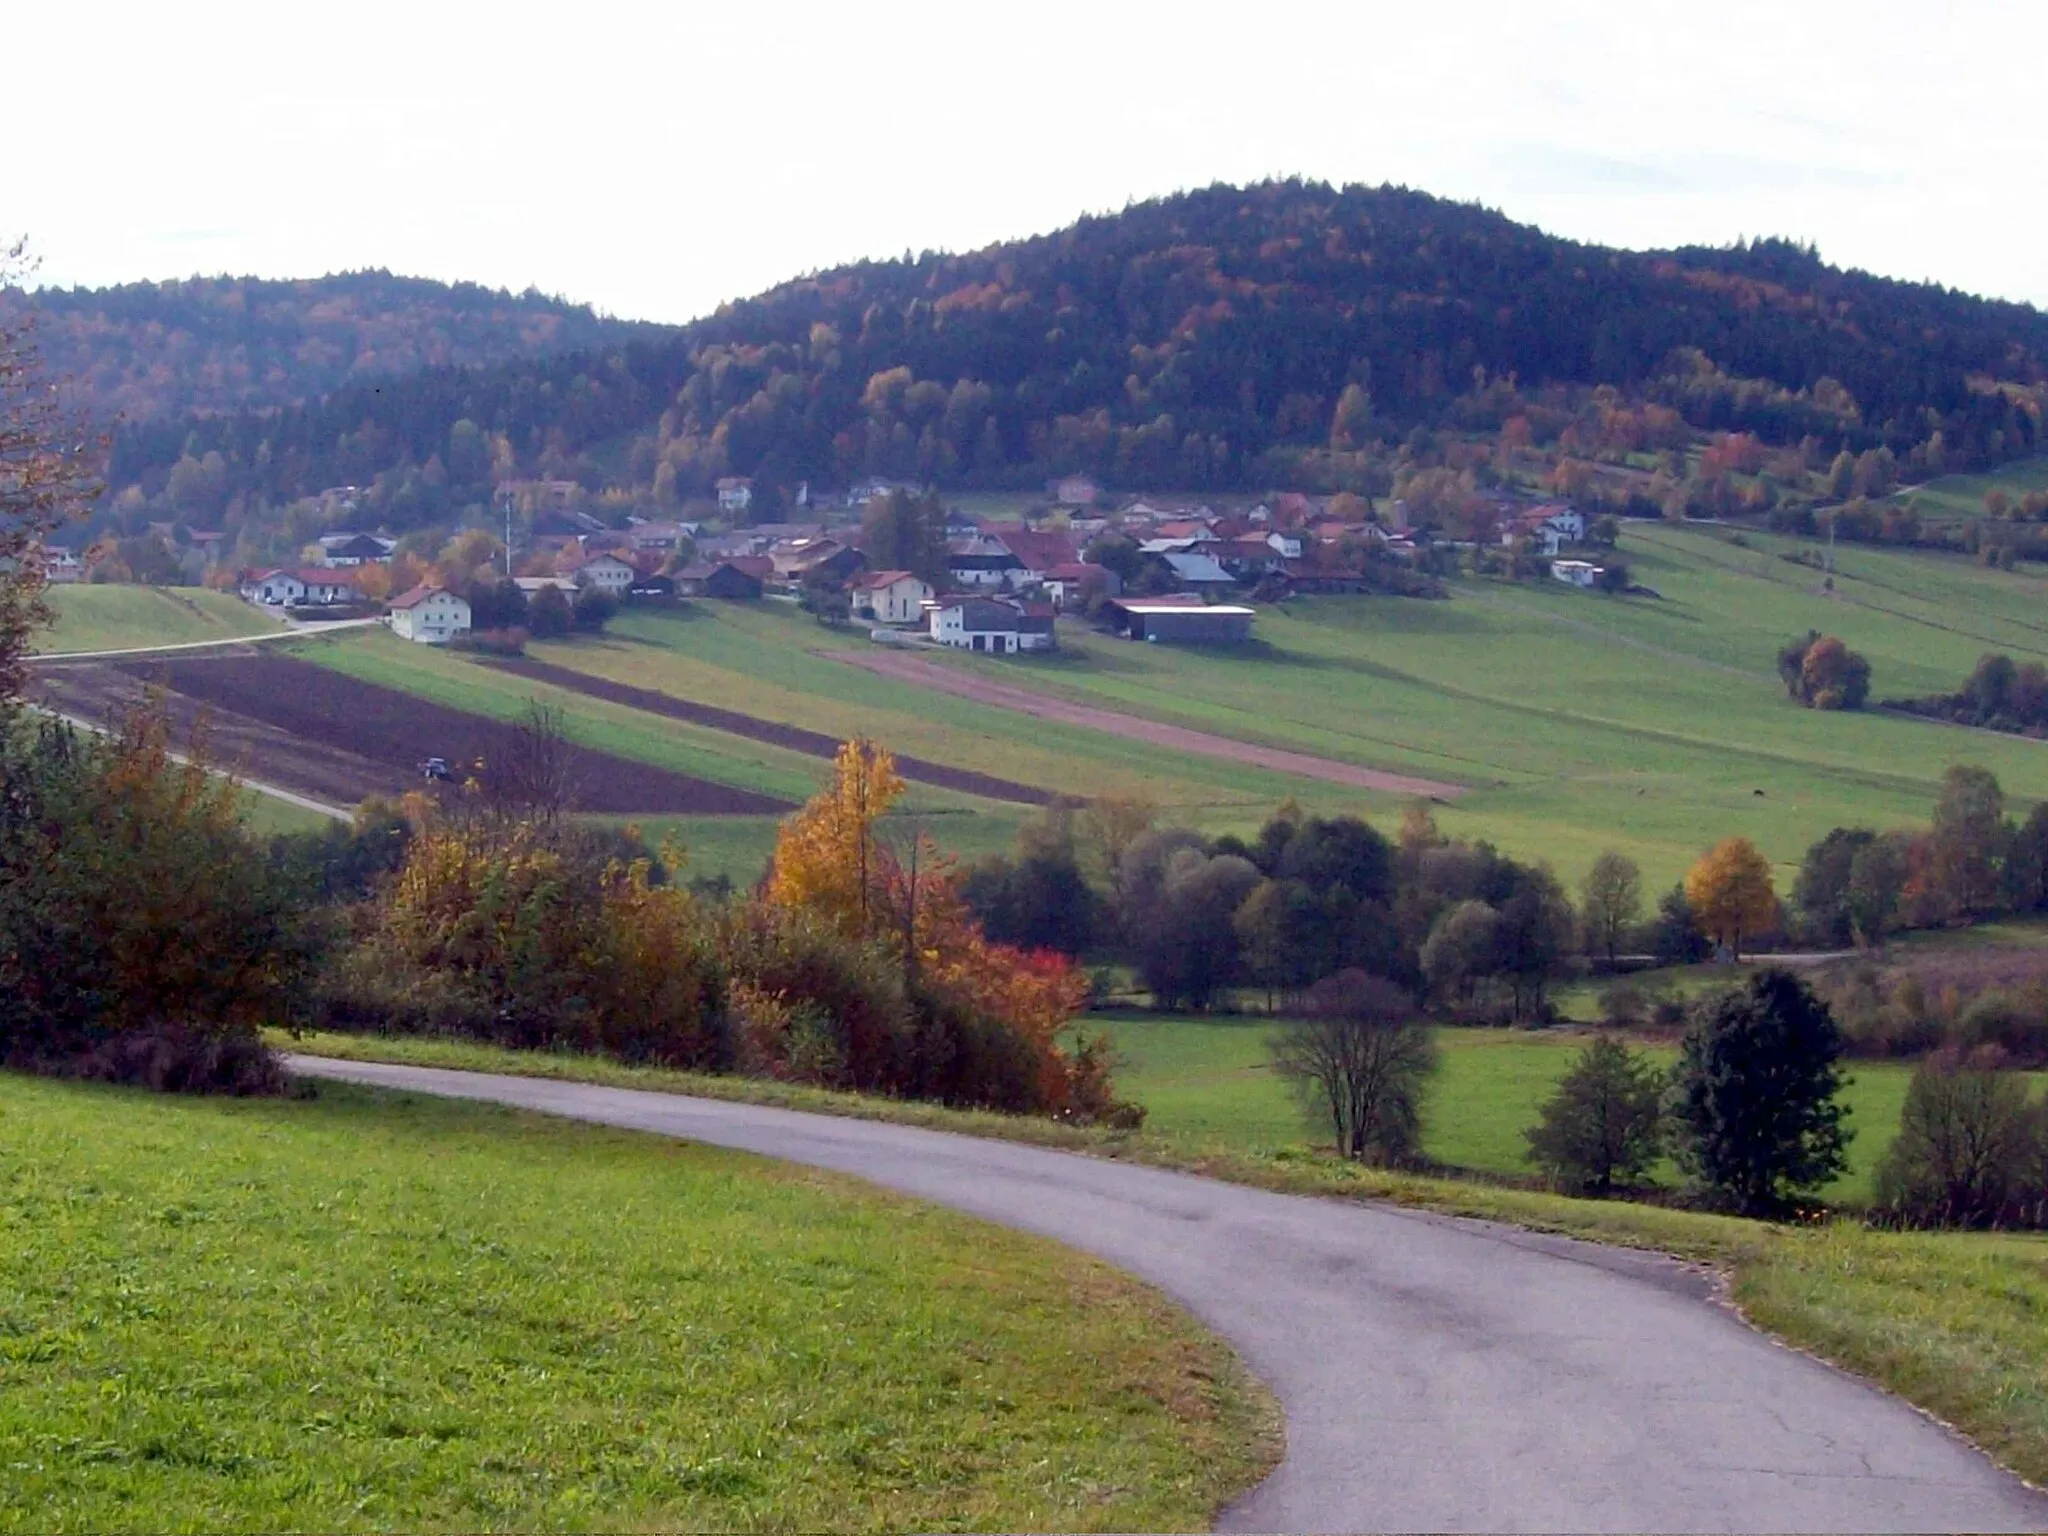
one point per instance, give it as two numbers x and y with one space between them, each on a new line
1182 343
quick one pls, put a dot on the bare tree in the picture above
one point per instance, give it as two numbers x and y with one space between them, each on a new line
535 775
1361 1058
45 479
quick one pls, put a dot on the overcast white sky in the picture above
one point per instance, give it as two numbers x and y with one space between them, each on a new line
657 159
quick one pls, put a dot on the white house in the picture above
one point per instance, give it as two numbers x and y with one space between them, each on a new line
889 597
604 573
1577 573
292 589
1548 529
61 568
987 624
430 615
735 493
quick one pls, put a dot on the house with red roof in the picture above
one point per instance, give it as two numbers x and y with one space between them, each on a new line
889 597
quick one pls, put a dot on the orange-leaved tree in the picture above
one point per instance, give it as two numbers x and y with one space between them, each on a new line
1730 893
829 858
987 1017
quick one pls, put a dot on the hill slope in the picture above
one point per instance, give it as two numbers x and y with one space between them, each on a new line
211 344
1218 339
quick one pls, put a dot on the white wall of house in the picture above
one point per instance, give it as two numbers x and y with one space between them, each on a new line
434 620
901 602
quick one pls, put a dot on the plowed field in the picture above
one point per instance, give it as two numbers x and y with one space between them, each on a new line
323 734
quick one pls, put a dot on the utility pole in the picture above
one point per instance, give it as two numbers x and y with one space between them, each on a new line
508 535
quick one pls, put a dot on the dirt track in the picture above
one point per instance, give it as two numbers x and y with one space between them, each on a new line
943 679
795 738
335 738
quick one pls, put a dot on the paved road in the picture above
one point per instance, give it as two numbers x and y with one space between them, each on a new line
1436 1374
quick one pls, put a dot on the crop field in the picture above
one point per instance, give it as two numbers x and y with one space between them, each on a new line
321 733
107 618
376 1312
1209 1080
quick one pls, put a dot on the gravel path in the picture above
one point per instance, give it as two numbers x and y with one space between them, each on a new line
1436 1374
968 685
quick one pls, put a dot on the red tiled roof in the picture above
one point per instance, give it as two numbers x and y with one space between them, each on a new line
416 596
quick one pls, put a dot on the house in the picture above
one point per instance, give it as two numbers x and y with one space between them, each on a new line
1193 530
1067 585
815 559
738 580
531 587
314 588
735 493
429 614
661 537
983 562
1577 573
61 568
345 549
1038 550
890 597
1547 529
603 573
1162 620
861 492
994 625
1249 556
1073 491
1197 571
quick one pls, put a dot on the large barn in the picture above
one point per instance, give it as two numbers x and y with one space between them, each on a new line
1180 622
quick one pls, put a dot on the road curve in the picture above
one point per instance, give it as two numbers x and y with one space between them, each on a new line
1436 1374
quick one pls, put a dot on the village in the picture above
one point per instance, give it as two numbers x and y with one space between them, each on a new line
1149 569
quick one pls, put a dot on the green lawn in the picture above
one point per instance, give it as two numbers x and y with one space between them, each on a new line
1208 1081
374 1312
109 618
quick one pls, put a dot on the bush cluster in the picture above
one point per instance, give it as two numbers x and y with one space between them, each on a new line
143 935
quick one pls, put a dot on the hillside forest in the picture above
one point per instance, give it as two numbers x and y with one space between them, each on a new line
1287 335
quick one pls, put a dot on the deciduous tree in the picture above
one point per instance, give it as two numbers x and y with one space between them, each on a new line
1611 902
1730 893
1602 1124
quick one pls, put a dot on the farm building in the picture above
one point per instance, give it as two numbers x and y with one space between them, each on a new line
531 587
1577 573
344 549
890 597
430 615
737 580
1180 623
992 625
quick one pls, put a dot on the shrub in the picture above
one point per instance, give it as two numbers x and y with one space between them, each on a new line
1601 1126
143 935
509 641
1754 1100
2015 1023
1968 1146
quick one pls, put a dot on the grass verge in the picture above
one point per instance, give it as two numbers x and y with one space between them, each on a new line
371 1310
1955 1324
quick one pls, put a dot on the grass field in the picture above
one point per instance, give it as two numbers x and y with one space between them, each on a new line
1579 722
1209 1081
378 1312
109 618
1957 1324
1960 497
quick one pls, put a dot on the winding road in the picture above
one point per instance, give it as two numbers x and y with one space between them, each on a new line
1436 1374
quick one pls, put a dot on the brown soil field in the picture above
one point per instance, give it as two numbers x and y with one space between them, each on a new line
968 685
335 738
795 738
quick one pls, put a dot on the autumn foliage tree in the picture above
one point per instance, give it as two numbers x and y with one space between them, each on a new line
44 480
985 1018
1730 893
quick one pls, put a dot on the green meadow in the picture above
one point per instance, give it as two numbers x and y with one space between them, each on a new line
1209 1081
1961 497
111 618
1574 721
374 1312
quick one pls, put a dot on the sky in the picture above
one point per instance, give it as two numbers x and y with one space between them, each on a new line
656 160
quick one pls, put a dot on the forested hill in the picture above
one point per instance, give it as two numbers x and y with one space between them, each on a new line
214 344
1219 339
